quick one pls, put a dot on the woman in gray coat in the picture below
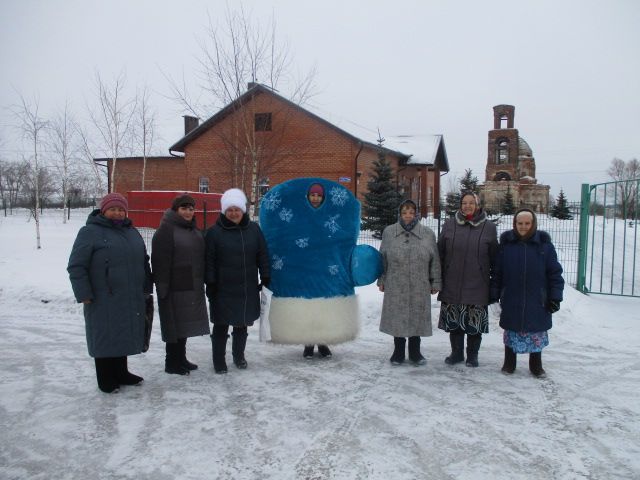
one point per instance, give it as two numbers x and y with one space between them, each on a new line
110 274
467 246
411 274
178 261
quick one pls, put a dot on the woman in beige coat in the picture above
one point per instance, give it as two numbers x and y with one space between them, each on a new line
411 274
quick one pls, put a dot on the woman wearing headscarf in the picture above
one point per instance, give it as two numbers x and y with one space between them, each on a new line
178 261
528 282
467 246
411 274
110 275
236 252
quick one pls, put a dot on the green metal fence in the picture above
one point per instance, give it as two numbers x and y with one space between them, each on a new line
609 261
565 234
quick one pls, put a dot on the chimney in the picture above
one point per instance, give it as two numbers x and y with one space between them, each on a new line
250 85
190 123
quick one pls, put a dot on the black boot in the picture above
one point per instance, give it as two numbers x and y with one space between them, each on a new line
398 351
535 365
509 361
237 346
473 345
324 351
415 356
106 375
308 351
172 361
123 375
456 338
182 342
219 347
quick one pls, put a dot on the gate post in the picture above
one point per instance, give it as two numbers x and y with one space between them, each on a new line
585 198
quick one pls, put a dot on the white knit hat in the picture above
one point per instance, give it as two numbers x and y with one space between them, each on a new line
234 197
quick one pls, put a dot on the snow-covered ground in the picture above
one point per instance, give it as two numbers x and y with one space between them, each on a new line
352 417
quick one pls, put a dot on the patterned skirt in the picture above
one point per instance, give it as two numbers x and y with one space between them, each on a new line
526 342
471 319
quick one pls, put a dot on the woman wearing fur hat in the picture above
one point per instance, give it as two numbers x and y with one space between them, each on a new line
178 260
411 274
236 252
110 275
467 246
528 282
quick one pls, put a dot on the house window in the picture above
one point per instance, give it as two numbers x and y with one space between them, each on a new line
203 185
262 122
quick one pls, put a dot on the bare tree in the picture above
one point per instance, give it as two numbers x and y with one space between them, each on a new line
32 127
62 142
234 54
627 174
14 177
113 119
87 154
144 128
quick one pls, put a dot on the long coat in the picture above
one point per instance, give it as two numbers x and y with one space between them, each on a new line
411 271
109 266
235 254
178 261
527 275
467 251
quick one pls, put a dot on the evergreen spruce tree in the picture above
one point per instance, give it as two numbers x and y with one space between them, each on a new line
561 210
508 208
452 203
469 183
382 200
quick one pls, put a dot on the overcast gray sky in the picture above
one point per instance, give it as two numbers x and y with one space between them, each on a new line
570 67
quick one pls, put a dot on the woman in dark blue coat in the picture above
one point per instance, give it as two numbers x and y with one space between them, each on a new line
528 282
110 274
236 252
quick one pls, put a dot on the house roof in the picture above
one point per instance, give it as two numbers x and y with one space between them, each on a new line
138 157
415 149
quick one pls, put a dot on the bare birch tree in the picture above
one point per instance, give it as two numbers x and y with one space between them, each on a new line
113 119
233 54
32 127
144 129
62 143
87 154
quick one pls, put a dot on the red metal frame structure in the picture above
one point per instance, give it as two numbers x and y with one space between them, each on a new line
146 208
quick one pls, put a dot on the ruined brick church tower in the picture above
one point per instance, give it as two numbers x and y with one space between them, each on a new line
511 167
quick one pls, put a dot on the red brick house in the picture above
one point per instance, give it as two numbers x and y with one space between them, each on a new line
262 139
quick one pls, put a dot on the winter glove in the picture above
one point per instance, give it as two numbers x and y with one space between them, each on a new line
553 306
210 289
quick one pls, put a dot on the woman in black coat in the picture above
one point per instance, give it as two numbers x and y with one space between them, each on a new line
178 263
236 252
528 282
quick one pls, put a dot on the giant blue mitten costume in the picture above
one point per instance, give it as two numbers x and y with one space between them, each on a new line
315 263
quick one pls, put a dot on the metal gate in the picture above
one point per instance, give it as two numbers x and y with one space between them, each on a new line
609 252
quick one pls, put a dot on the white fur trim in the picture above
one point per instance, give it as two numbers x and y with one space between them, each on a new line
234 197
306 321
